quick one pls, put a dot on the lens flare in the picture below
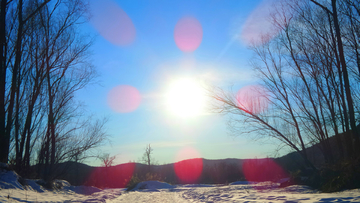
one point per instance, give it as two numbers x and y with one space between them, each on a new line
252 99
124 98
188 34
258 28
260 170
112 22
111 177
188 171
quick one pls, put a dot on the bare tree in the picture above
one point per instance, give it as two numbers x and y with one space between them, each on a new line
65 56
44 62
263 124
107 160
147 157
333 11
305 82
8 102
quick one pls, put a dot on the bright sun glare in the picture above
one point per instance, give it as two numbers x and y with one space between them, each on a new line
185 98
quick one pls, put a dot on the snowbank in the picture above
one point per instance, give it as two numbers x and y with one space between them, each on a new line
152 186
9 179
84 190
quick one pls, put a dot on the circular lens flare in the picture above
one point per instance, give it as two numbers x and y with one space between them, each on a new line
111 177
252 99
188 171
124 98
261 170
258 28
188 34
112 22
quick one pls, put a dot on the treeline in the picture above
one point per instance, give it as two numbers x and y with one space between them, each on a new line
309 71
44 61
129 174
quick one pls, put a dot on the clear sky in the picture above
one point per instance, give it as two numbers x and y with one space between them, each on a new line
152 57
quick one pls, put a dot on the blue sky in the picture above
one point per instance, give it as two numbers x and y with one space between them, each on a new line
150 60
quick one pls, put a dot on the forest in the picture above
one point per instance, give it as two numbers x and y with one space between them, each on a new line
44 61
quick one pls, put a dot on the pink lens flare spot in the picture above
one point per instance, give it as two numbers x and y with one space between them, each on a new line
188 34
112 22
252 99
260 170
124 98
258 28
111 177
188 171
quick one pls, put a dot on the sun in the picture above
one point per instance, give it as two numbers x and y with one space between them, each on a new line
185 98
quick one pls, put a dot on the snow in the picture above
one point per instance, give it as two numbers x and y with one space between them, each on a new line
260 192
9 179
155 191
152 186
198 185
241 183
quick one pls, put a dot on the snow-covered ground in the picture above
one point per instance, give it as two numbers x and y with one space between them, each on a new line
183 193
260 192
154 191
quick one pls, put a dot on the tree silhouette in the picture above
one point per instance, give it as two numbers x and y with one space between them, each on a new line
147 157
309 72
44 62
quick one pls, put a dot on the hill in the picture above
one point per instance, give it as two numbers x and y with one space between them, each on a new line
208 171
189 171
79 174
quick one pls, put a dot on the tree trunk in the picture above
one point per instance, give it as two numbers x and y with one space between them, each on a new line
346 77
15 72
4 139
